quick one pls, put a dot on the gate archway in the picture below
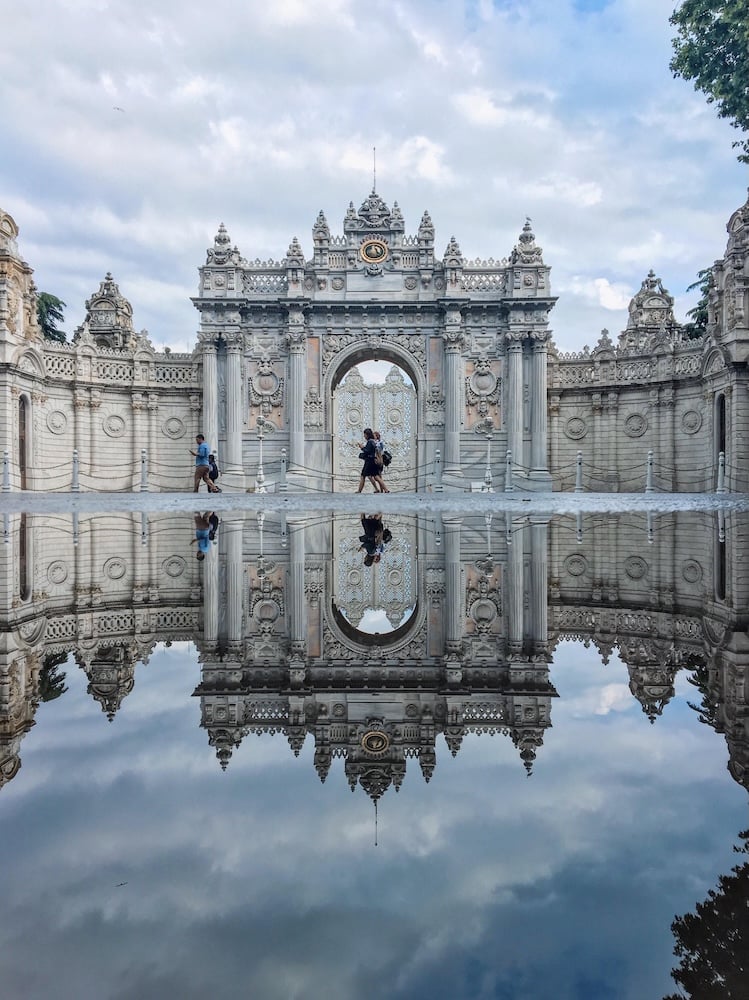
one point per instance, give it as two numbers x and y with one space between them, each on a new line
389 407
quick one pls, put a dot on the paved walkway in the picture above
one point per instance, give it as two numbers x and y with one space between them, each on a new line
394 503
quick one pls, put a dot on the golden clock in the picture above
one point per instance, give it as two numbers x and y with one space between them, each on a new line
373 251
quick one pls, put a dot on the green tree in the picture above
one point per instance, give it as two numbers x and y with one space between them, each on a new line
713 942
712 39
698 325
51 679
49 313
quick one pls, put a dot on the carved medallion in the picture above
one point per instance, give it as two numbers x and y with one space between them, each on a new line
57 421
575 428
635 425
114 425
575 565
173 428
691 421
173 566
57 572
691 571
635 567
114 568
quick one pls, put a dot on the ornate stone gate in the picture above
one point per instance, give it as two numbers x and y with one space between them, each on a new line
278 337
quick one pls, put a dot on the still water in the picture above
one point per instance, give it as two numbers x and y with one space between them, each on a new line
451 757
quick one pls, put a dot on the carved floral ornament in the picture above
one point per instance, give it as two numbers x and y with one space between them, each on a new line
635 425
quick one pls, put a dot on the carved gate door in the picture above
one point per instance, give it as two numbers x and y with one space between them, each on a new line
389 408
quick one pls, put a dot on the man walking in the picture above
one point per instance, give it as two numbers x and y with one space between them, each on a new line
202 467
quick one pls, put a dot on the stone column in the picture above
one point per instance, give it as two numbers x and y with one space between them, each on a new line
81 434
210 596
612 475
137 403
150 444
539 439
453 338
231 530
297 604
515 585
232 460
453 607
539 582
296 340
95 431
210 391
515 398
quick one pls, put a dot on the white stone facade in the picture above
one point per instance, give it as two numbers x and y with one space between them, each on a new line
277 338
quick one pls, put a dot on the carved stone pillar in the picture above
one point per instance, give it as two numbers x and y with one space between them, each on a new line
612 438
210 392
232 460
231 532
296 340
210 596
153 429
515 585
453 338
539 581
82 433
297 603
453 606
137 404
539 438
515 398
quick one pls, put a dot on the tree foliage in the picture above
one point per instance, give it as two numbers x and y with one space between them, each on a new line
49 313
713 942
51 679
698 325
712 39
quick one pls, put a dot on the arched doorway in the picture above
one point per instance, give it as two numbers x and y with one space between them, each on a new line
381 395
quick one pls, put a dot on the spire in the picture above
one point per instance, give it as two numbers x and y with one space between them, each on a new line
526 251
453 255
321 229
295 254
426 228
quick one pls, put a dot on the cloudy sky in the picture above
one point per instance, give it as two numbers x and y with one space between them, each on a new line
130 130
263 882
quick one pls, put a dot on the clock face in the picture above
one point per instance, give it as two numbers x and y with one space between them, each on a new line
373 251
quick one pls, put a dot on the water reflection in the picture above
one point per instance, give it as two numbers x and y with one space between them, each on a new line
447 626
168 796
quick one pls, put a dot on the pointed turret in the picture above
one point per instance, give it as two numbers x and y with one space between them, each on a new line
526 251
109 318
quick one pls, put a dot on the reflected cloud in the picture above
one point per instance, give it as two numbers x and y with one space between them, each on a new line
577 871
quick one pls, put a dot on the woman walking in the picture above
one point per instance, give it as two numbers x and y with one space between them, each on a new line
380 449
370 469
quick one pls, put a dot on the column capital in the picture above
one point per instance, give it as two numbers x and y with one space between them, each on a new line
539 340
207 342
453 338
514 339
296 339
234 341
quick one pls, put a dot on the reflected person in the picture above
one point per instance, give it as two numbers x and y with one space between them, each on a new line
202 535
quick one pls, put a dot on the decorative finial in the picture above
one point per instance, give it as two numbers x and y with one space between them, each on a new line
374 169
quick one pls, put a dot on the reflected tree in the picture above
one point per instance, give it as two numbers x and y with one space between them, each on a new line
712 943
51 678
707 710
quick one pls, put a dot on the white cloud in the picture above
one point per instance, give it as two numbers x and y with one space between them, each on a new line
261 114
